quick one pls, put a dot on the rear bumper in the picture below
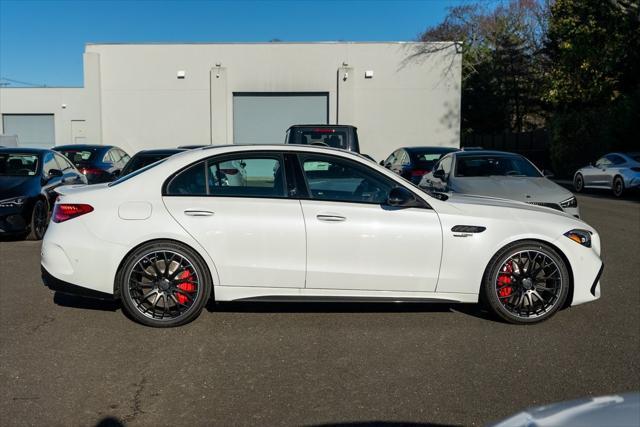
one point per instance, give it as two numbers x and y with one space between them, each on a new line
61 286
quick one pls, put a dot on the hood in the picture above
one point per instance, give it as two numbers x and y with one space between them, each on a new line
523 189
465 199
14 186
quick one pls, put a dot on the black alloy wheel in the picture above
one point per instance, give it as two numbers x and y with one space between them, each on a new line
164 284
578 183
39 220
526 283
618 186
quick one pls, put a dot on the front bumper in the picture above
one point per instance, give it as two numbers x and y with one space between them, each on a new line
14 220
63 287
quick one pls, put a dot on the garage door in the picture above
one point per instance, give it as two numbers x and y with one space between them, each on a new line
33 130
263 118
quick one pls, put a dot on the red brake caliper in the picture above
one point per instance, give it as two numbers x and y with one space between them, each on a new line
185 286
504 281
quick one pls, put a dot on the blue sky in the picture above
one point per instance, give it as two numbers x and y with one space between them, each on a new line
42 42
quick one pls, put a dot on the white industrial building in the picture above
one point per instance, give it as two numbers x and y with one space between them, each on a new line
140 96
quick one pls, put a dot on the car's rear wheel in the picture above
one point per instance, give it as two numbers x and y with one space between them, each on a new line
578 183
526 282
39 220
164 284
618 186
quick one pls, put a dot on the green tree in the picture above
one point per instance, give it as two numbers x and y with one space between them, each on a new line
593 51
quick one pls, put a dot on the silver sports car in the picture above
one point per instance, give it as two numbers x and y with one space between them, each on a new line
617 172
498 174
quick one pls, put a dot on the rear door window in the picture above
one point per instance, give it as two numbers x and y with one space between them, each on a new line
244 176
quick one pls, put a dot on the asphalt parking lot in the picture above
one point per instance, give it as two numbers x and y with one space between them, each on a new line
68 361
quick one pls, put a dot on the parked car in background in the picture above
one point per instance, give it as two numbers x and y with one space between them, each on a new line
311 223
412 163
99 163
147 157
29 178
498 174
617 172
344 137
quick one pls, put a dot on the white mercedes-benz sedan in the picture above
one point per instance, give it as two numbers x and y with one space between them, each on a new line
308 223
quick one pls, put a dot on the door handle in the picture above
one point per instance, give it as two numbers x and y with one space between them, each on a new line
198 212
330 218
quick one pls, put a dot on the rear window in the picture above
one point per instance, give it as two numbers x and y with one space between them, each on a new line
140 161
336 138
126 176
475 166
78 156
425 160
16 164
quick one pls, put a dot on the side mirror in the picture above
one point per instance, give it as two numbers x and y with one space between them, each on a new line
547 173
401 197
381 162
53 173
439 174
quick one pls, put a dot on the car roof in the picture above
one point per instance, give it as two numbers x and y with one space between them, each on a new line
83 147
24 150
161 151
476 153
435 149
322 126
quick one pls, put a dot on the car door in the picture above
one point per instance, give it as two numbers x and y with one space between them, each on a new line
250 227
598 176
357 242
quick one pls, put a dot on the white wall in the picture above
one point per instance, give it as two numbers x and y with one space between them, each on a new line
46 101
407 102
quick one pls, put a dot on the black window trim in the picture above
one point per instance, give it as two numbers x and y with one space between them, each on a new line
276 155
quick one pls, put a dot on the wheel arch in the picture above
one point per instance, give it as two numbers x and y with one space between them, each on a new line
116 286
567 302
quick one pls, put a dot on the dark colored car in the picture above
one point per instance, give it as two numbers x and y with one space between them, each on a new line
99 163
147 157
412 163
336 136
28 180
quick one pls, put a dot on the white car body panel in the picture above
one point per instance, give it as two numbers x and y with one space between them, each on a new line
255 242
372 248
87 250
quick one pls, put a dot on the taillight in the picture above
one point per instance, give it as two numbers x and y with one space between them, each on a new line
66 211
323 130
229 171
91 171
419 172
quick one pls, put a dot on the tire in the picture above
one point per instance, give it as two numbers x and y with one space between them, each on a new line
39 220
618 186
512 293
578 183
162 297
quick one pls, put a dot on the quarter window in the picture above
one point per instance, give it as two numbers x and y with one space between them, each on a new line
190 182
49 164
340 180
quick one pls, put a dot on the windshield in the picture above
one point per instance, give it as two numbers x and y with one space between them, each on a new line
16 164
138 162
128 175
78 156
487 165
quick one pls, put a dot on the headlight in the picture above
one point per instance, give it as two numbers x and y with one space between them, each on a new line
582 237
13 202
569 203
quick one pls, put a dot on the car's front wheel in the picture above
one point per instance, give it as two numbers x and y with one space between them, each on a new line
39 220
526 282
164 284
578 183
